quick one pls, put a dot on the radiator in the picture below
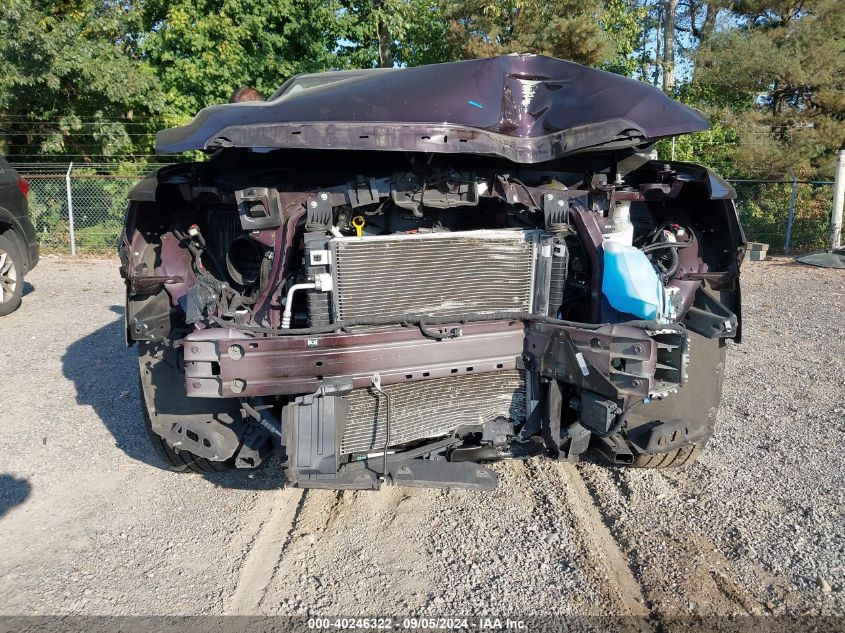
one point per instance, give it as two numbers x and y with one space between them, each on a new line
431 408
436 274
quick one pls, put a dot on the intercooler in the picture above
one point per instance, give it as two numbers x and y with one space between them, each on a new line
431 408
435 274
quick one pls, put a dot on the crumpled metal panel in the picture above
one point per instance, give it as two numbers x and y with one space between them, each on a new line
528 108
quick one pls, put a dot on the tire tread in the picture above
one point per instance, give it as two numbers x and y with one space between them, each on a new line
677 458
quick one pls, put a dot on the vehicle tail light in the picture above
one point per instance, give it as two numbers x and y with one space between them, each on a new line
23 185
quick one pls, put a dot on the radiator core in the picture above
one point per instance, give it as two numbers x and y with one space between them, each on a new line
435 274
431 408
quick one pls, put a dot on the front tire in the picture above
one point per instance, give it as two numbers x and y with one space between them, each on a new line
155 371
175 460
673 459
692 411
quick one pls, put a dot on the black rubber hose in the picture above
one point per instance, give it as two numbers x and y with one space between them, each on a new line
264 417
623 418
662 245
668 270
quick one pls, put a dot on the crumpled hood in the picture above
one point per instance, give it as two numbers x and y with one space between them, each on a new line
527 108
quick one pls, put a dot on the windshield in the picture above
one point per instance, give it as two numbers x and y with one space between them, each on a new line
300 83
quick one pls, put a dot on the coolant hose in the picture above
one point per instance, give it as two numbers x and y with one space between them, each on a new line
287 314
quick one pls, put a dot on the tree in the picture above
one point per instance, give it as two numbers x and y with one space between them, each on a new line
203 50
72 82
415 32
385 49
570 29
698 18
622 20
787 61
391 32
423 33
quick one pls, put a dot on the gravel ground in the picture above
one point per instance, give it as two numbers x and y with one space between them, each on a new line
521 549
91 524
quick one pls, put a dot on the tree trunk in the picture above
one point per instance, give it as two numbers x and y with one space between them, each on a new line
706 30
385 55
709 22
669 45
643 57
658 56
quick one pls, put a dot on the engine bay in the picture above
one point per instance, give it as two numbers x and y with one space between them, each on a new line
367 313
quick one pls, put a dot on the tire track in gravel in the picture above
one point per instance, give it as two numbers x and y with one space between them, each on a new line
699 574
620 580
399 545
518 549
266 551
596 531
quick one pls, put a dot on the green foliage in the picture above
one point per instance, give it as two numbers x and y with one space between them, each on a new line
713 148
622 20
99 204
48 207
422 36
92 80
433 31
71 81
570 29
204 50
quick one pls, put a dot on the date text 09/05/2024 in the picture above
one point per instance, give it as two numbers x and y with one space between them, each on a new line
484 623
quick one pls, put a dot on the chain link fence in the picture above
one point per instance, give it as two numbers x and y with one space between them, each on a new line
95 203
77 211
790 216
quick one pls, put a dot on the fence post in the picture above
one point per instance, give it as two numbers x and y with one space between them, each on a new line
838 202
70 210
791 219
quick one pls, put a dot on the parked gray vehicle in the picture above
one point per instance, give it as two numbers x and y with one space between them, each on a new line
19 249
402 274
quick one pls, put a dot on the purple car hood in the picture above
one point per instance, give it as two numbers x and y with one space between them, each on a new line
526 108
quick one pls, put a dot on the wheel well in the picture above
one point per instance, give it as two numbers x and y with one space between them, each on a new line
10 232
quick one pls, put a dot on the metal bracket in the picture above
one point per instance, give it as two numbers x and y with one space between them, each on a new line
258 208
362 191
440 474
611 360
556 208
319 212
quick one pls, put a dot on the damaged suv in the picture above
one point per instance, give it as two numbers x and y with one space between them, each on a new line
403 274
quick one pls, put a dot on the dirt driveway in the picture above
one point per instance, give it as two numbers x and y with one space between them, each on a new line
91 524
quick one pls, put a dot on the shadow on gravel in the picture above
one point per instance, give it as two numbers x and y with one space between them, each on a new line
105 374
13 492
27 288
